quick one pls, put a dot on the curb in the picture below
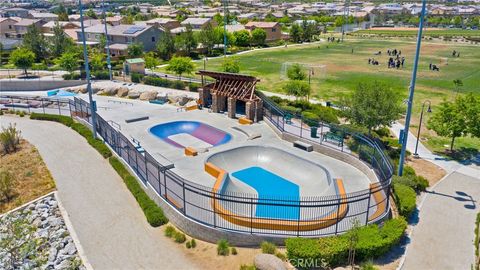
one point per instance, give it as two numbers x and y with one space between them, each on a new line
73 234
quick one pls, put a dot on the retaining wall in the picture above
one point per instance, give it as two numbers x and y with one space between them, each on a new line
15 85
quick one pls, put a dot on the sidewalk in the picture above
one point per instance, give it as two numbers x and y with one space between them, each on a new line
110 225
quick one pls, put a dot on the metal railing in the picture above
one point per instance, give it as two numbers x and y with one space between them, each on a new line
200 203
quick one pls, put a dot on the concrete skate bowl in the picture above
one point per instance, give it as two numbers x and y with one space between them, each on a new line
182 134
268 188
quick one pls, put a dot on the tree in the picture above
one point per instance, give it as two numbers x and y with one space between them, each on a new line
91 14
61 42
242 38
209 36
296 33
186 41
180 65
35 42
352 237
231 65
373 104
151 61
68 61
97 61
62 13
456 119
10 138
297 88
259 36
135 50
166 45
296 72
22 58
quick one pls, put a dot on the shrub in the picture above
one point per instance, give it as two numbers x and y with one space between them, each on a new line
234 251
170 231
101 75
152 211
179 237
7 183
98 144
409 171
368 265
247 267
383 132
136 77
194 243
281 256
310 118
177 85
223 247
373 242
10 138
268 248
193 87
418 183
67 121
188 245
405 197
71 76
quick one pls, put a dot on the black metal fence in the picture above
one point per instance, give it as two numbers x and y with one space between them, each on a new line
200 203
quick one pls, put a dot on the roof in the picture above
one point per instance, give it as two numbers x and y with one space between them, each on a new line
135 61
196 21
26 22
51 24
43 15
118 30
234 27
118 46
261 24
114 19
160 20
238 86
15 19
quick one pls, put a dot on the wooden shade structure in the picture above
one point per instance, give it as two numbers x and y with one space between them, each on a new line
230 87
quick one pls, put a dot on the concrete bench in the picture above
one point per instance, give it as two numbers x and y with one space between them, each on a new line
136 119
190 151
244 121
304 146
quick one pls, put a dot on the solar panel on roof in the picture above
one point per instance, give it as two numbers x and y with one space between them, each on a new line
133 30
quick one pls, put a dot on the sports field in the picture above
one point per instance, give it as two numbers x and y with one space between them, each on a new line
344 70
412 32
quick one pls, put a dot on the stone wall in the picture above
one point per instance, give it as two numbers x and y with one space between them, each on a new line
37 85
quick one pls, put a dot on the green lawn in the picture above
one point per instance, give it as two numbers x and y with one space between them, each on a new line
345 70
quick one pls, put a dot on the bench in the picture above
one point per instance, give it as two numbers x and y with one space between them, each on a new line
333 137
158 101
244 121
304 146
136 119
189 151
288 119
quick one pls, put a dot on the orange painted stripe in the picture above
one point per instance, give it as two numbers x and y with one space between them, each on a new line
381 202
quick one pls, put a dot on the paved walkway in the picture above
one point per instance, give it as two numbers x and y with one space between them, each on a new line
443 238
108 221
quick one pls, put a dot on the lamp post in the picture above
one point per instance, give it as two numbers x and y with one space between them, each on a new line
205 59
412 91
429 110
93 107
225 21
109 64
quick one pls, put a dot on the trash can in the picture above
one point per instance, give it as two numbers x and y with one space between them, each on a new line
313 132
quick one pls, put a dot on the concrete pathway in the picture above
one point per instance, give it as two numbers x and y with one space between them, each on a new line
443 237
109 223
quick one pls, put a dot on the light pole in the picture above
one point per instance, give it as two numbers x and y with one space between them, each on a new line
225 21
429 110
109 64
412 91
93 107
205 59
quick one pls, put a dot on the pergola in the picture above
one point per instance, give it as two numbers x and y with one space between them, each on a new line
231 87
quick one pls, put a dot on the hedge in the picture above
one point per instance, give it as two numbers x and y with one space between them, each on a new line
373 241
79 128
155 81
152 211
405 197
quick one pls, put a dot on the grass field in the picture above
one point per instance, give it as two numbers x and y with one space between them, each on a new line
345 70
413 32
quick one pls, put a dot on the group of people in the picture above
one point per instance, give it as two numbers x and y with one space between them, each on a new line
372 61
396 63
434 67
394 52
332 39
455 53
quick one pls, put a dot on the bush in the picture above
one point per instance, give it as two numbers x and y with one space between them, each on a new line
152 211
101 75
170 231
136 77
268 248
373 242
418 183
71 76
179 237
39 66
21 113
281 256
223 247
194 243
10 138
310 118
368 266
67 121
7 183
405 198
188 245
177 85
193 87
234 251
383 132
247 267
98 144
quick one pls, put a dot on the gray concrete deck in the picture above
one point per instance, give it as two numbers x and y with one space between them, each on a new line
108 221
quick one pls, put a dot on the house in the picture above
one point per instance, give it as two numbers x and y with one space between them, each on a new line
15 12
115 20
198 23
273 29
21 27
7 26
164 23
120 36
44 16
68 28
231 28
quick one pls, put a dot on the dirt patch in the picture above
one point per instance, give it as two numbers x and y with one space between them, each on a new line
32 177
430 171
